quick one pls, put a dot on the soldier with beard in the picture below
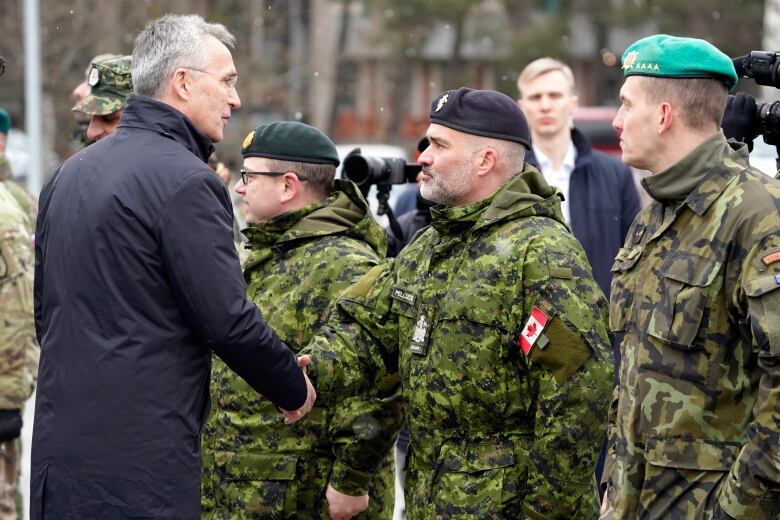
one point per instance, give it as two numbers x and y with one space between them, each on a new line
493 323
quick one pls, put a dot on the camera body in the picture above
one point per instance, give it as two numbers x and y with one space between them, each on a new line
764 68
365 170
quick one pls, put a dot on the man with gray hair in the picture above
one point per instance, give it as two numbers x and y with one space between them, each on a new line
137 281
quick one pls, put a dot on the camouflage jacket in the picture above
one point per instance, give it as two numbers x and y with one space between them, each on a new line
19 193
495 433
18 346
254 465
696 416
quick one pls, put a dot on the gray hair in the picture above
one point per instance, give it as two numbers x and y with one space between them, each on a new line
169 43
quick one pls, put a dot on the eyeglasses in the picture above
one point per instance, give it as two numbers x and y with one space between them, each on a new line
245 175
229 81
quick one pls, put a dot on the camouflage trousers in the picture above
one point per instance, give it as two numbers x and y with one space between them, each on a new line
10 454
663 489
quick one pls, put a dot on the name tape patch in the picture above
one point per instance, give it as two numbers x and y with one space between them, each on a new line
771 258
404 296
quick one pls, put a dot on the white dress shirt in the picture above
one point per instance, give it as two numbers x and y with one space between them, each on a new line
558 178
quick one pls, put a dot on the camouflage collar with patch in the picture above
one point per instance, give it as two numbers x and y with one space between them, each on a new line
344 211
525 194
698 178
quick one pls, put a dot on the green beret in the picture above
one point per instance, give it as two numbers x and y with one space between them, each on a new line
290 141
667 56
5 122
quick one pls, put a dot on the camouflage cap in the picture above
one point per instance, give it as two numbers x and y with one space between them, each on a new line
111 84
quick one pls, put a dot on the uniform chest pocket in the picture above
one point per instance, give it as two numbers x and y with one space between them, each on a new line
687 280
622 290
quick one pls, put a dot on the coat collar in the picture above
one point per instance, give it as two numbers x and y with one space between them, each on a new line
151 114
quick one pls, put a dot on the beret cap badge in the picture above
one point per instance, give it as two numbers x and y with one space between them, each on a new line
247 140
442 101
630 59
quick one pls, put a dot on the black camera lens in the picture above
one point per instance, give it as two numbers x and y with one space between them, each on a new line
366 171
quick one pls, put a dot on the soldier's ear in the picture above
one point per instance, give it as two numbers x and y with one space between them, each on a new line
292 186
488 157
665 118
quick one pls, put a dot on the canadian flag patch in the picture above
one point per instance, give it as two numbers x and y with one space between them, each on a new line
533 329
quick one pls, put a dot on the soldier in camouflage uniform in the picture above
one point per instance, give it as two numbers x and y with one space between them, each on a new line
19 361
494 323
16 189
110 85
695 424
309 238
79 138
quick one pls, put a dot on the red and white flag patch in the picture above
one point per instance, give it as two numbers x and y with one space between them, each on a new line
533 329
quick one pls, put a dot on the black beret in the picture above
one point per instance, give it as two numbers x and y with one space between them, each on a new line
481 112
290 141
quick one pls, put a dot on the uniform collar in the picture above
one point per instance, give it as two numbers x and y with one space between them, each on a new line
698 178
527 193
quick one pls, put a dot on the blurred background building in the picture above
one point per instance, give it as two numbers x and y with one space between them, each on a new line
365 71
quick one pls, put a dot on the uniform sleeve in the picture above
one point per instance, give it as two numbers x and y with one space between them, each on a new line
19 348
201 260
570 364
355 370
752 488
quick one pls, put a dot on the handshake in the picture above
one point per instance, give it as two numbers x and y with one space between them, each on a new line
341 505
311 395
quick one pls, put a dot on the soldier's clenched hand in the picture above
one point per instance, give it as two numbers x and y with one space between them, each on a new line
295 415
344 507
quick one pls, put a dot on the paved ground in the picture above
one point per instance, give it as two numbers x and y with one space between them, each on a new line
24 482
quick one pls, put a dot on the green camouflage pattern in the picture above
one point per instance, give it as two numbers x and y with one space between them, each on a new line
495 434
111 84
19 193
18 345
696 417
254 465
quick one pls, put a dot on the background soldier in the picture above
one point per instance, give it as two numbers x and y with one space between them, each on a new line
19 360
110 85
79 137
309 237
497 327
16 189
695 428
